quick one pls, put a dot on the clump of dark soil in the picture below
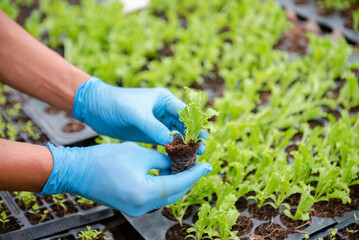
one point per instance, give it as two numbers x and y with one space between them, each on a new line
297 137
167 212
72 127
241 204
182 156
211 199
267 212
36 218
290 149
271 231
60 211
293 200
178 232
352 234
292 225
9 226
87 206
243 225
315 123
332 208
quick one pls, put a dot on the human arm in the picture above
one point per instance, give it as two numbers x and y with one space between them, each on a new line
31 67
24 166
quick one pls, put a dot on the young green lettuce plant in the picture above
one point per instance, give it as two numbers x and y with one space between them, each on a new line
182 151
4 219
90 234
37 212
26 197
59 201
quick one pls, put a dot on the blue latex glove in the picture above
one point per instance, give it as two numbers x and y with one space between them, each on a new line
135 114
115 175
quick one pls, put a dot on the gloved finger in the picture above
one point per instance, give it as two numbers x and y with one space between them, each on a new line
165 172
173 105
201 149
173 184
158 161
154 129
171 199
173 123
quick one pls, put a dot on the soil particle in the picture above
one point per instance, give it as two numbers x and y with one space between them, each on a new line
293 200
271 231
72 127
224 30
195 217
182 156
315 123
292 225
243 225
353 235
161 15
166 50
178 232
297 137
52 110
267 212
290 149
59 211
354 110
332 208
264 96
241 204
4 208
167 212
35 219
9 226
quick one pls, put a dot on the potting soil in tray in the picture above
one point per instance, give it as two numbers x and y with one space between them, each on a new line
73 233
26 226
333 21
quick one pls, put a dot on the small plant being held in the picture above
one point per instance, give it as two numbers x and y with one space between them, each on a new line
182 151
4 219
91 234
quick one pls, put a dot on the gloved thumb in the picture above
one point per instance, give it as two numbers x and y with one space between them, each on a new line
156 130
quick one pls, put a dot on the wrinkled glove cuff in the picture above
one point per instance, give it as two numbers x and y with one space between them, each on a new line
81 98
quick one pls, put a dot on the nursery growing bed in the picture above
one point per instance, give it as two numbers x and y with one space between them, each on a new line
56 224
333 21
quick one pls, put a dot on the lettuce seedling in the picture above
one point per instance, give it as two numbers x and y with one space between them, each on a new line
85 201
37 212
4 219
26 197
194 119
59 201
14 111
90 234
304 206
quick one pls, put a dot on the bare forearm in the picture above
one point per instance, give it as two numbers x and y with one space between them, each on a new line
33 68
23 166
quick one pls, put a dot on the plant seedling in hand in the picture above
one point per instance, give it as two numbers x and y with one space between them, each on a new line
182 151
4 219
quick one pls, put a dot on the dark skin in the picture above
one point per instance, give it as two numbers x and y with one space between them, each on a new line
32 68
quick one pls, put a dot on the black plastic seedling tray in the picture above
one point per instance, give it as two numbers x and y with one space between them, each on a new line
72 234
334 21
52 124
50 227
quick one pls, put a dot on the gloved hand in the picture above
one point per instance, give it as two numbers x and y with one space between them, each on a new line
115 175
135 114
